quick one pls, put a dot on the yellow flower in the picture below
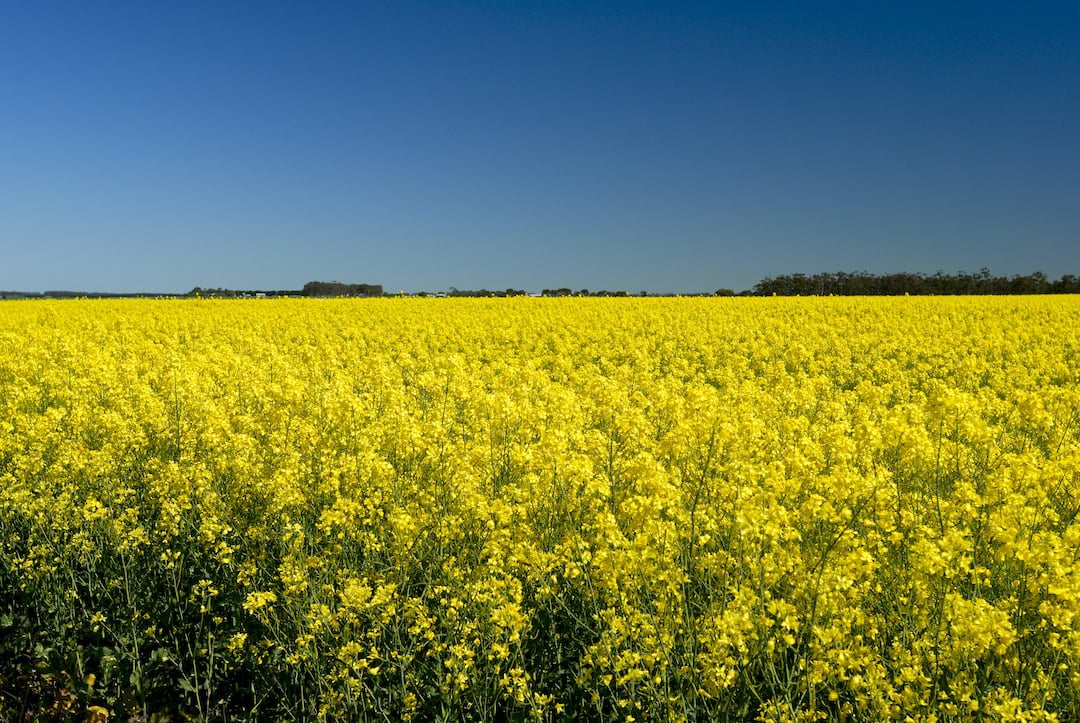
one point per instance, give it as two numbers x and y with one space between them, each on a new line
258 600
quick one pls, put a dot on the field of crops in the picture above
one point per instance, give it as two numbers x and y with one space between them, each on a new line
551 509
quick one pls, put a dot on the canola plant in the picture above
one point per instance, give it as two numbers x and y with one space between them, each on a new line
768 509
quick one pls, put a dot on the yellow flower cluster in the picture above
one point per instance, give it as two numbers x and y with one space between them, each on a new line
609 509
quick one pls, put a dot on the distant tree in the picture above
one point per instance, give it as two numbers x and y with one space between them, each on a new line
1067 284
863 283
336 288
1039 281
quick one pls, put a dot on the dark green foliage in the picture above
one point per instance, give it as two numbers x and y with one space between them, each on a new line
861 283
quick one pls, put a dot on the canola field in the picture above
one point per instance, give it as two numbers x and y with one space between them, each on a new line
540 509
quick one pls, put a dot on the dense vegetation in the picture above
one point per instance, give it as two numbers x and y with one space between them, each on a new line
541 509
840 283
843 283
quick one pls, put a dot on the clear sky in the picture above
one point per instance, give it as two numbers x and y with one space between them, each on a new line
668 147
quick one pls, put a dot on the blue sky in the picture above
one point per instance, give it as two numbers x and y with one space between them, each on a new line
668 147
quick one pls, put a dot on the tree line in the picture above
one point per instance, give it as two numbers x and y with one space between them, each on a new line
838 283
311 288
483 293
842 283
